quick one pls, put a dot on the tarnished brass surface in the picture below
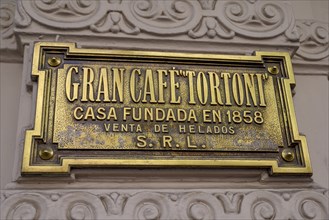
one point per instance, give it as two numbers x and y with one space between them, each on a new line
158 109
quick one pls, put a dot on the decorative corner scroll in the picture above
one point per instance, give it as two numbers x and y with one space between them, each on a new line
314 40
7 36
123 108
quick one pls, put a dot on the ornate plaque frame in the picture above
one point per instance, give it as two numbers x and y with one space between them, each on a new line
51 61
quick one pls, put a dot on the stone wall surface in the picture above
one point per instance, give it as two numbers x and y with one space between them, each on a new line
210 26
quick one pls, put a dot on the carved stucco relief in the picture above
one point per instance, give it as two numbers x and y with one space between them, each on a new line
228 204
7 13
314 40
209 20
195 19
312 56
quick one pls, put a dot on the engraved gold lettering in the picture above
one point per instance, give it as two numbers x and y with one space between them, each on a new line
192 129
118 84
148 114
192 116
202 88
89 114
88 79
250 88
226 77
170 115
162 85
133 82
138 128
181 115
160 114
214 89
141 141
216 116
166 141
69 85
173 86
107 127
161 128
103 86
237 88
261 90
189 145
137 114
149 87
75 113
112 114
126 112
206 115
182 128
101 113
115 127
191 74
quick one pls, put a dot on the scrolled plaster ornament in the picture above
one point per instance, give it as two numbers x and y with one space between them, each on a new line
207 4
22 19
80 211
148 205
157 18
7 14
199 205
65 14
24 210
257 19
210 26
114 202
80 205
24 206
314 40
231 201
114 22
263 209
263 204
164 204
163 17
310 205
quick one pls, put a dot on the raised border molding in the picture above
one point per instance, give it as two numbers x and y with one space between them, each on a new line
165 204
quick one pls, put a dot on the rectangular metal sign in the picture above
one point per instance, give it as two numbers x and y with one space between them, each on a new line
159 109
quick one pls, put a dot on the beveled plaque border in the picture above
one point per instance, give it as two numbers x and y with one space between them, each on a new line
67 162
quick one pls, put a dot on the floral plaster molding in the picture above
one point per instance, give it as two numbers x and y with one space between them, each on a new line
195 19
8 41
314 48
199 204
246 25
314 39
164 25
7 11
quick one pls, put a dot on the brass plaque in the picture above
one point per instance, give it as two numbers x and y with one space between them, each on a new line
123 108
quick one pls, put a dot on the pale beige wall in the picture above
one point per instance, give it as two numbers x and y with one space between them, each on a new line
311 105
10 78
315 9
